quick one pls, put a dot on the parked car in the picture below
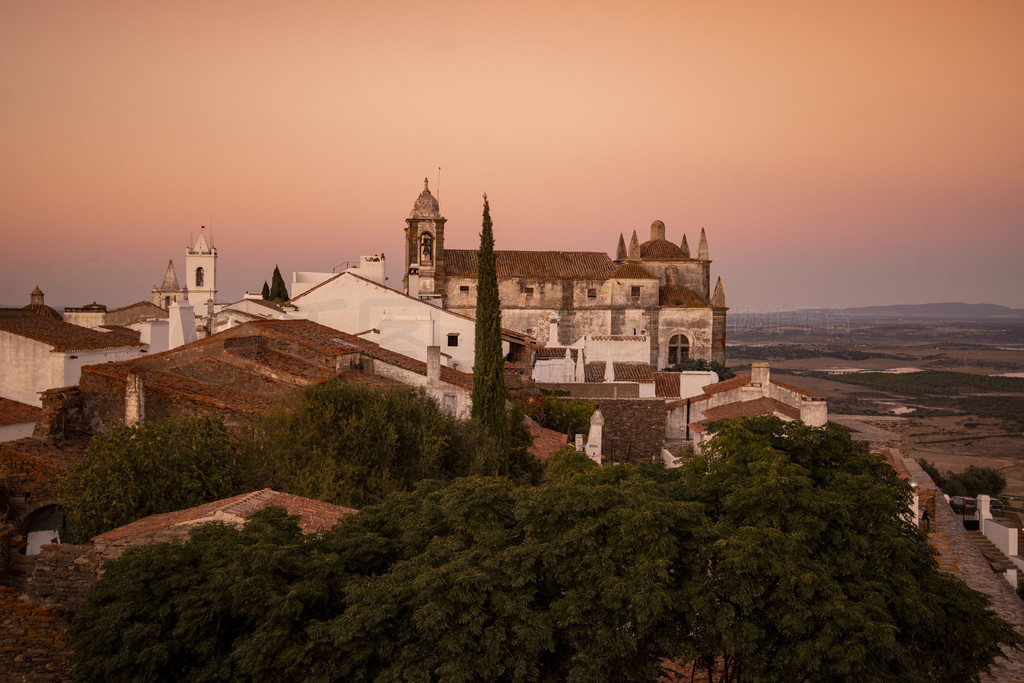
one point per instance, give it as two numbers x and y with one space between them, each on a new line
963 504
996 505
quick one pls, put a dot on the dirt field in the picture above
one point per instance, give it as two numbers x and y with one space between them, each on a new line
954 432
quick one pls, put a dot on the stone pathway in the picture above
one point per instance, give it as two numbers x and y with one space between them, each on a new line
958 555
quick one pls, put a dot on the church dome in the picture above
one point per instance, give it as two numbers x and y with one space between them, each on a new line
661 250
426 205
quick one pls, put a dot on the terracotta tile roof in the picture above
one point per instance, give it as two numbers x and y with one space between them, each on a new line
60 335
15 412
356 377
633 372
33 467
554 352
282 362
127 333
594 371
43 310
545 441
624 372
536 265
633 271
137 304
796 389
313 515
681 296
666 384
727 385
331 341
178 389
752 408
661 250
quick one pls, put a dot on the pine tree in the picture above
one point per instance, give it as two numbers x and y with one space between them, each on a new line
266 291
278 291
489 391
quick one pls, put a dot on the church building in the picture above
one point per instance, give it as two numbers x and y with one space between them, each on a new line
653 291
200 283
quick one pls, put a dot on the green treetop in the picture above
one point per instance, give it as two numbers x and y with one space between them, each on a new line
489 391
278 291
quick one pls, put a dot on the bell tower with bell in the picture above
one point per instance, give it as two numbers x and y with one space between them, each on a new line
424 250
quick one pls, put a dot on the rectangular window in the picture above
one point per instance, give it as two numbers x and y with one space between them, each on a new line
453 340
464 289
528 291
591 293
634 292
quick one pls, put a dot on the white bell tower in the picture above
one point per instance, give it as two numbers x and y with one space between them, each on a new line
201 272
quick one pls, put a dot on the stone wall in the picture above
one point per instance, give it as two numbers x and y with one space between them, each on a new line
61 577
634 429
32 641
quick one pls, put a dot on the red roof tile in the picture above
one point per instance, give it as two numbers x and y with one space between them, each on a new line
282 362
536 265
666 384
727 385
33 467
554 352
15 412
313 515
796 389
633 271
60 335
594 371
752 408
681 296
545 441
661 250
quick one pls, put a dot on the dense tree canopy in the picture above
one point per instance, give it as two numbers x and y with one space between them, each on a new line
340 443
278 289
783 553
131 472
973 481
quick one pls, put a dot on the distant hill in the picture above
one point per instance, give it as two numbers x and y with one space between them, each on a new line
901 313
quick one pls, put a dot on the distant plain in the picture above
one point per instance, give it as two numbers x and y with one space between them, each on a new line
956 418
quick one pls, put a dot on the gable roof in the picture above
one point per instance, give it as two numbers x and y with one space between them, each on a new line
594 371
751 408
682 296
313 515
536 265
633 271
15 412
60 335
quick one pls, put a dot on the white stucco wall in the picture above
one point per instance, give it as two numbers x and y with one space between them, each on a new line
405 325
18 430
28 367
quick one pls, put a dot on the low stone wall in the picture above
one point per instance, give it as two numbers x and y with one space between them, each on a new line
61 577
614 390
634 429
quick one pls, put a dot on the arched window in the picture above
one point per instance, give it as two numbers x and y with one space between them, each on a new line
199 277
167 302
427 248
678 349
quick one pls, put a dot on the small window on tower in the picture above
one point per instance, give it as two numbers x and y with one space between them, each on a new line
634 292
464 289
528 291
592 293
453 340
199 277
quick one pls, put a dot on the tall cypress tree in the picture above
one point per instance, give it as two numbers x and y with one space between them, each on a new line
278 290
489 391
266 291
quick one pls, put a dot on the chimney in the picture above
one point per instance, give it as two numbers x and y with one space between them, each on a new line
657 230
414 281
134 400
433 364
182 324
759 374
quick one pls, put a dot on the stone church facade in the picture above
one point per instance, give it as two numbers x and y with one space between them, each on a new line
653 290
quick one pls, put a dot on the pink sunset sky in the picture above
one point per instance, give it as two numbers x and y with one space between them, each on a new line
838 154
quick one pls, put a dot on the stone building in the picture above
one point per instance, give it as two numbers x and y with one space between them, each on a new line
655 289
200 283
